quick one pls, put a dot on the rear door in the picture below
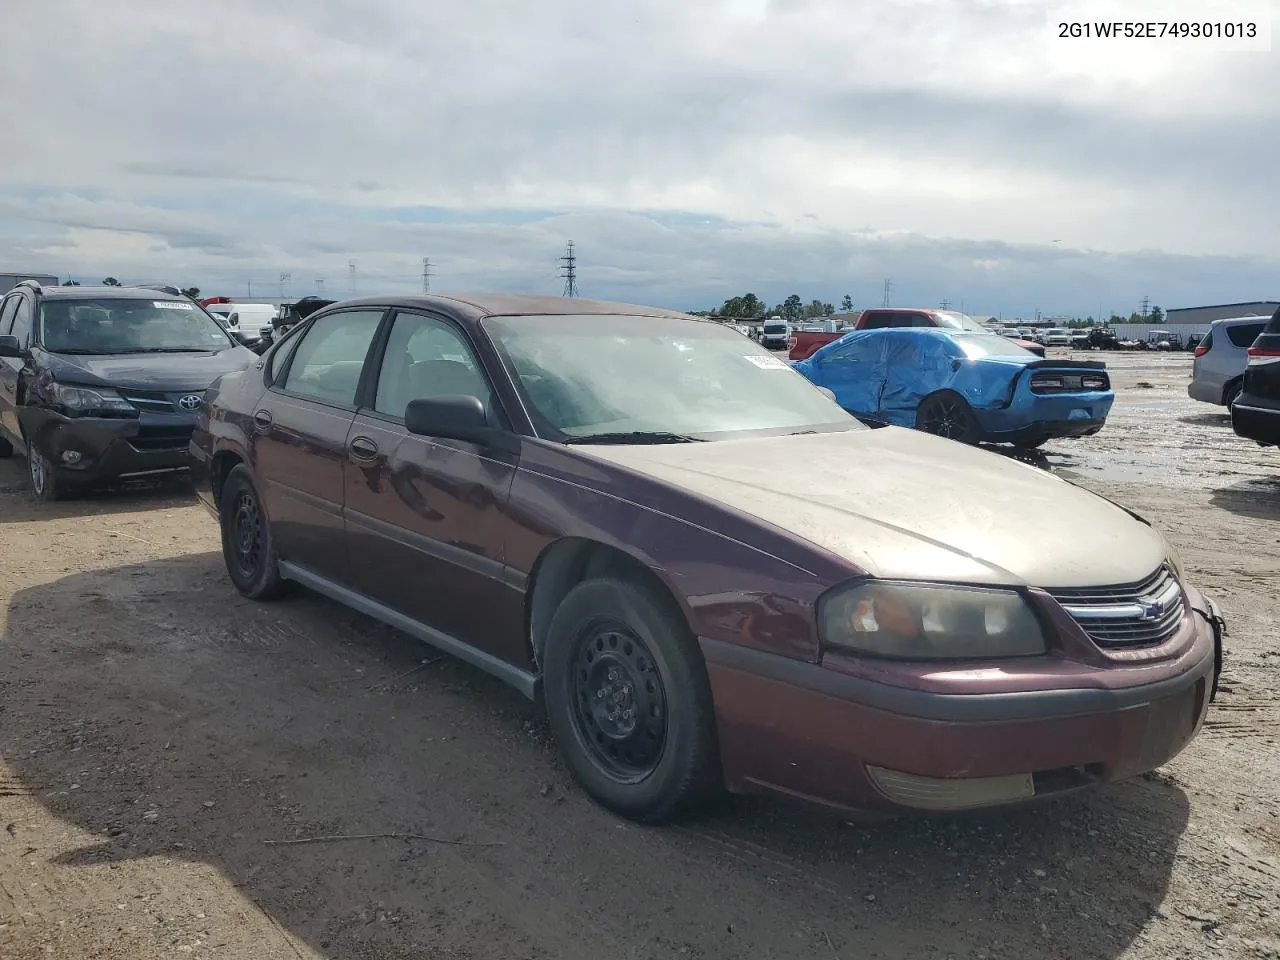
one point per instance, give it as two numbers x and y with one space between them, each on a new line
426 516
300 436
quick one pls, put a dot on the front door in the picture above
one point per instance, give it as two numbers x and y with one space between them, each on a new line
10 373
300 431
426 517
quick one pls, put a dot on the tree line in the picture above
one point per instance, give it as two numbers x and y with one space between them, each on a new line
749 306
192 292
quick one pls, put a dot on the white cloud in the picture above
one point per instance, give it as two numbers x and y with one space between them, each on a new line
247 137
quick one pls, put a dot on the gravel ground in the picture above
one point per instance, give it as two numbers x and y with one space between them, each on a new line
157 733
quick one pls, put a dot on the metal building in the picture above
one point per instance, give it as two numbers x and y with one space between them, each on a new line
1203 316
10 280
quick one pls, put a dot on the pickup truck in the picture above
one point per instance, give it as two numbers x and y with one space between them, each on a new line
805 344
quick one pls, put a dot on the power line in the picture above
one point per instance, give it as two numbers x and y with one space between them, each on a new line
888 291
570 271
426 274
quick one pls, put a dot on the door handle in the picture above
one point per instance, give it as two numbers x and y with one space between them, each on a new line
362 448
262 419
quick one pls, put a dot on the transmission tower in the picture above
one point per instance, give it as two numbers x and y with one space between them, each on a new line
426 274
319 287
946 304
1146 307
570 271
351 273
888 291
284 283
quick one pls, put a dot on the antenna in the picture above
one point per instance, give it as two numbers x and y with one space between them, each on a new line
570 271
888 291
426 274
351 273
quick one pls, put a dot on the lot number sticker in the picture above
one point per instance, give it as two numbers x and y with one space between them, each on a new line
171 305
767 363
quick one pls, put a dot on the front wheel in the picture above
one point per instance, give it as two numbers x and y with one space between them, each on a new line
247 546
629 701
948 415
45 484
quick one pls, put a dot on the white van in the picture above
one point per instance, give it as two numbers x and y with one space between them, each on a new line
251 318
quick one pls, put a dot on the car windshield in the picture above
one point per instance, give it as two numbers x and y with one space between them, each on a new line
959 321
654 378
118 325
979 345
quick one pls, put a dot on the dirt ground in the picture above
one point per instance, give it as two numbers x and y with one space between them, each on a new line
158 734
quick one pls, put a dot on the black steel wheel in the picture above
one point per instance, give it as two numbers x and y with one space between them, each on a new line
629 701
948 415
247 547
620 703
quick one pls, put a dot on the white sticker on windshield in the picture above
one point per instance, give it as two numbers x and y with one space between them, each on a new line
171 305
766 363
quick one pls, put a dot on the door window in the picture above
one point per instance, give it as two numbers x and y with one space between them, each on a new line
22 322
426 357
327 363
7 310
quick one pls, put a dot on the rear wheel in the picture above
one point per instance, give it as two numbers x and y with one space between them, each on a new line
948 415
1233 394
247 545
629 701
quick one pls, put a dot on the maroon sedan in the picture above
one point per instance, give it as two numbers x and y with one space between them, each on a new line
708 572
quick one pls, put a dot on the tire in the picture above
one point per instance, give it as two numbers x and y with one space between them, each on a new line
45 484
947 415
247 546
1232 395
629 702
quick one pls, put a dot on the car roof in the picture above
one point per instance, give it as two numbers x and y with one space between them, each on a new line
475 306
101 293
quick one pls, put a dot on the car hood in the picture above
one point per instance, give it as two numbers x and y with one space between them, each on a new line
149 371
903 504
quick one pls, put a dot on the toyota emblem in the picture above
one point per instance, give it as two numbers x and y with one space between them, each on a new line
190 402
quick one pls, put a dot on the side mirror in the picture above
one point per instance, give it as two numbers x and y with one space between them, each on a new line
456 418
955 364
10 347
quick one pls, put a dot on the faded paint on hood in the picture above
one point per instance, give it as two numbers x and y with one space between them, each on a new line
904 504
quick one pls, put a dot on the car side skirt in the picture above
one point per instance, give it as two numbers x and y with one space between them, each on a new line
527 683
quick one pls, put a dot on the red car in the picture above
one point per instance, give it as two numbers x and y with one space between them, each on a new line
706 571
804 345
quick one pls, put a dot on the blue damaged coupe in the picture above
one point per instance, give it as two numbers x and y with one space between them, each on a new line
971 387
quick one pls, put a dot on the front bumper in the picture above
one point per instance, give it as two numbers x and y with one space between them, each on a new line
88 451
812 733
1251 420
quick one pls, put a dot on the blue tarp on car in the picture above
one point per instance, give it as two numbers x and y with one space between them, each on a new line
884 375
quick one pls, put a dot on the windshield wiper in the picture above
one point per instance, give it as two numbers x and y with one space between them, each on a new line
172 350
635 436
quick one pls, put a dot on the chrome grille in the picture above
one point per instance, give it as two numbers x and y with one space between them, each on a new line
1143 614
148 400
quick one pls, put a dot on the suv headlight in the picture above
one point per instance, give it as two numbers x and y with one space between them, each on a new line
912 621
86 401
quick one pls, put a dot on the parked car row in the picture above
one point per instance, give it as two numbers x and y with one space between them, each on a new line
705 569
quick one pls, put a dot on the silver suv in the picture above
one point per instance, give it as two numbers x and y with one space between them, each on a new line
1217 373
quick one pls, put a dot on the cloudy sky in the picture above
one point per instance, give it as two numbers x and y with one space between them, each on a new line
693 149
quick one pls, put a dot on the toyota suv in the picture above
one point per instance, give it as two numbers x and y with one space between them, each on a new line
1256 412
99 384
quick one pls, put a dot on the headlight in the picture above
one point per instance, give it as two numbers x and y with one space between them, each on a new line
86 401
1172 557
909 621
